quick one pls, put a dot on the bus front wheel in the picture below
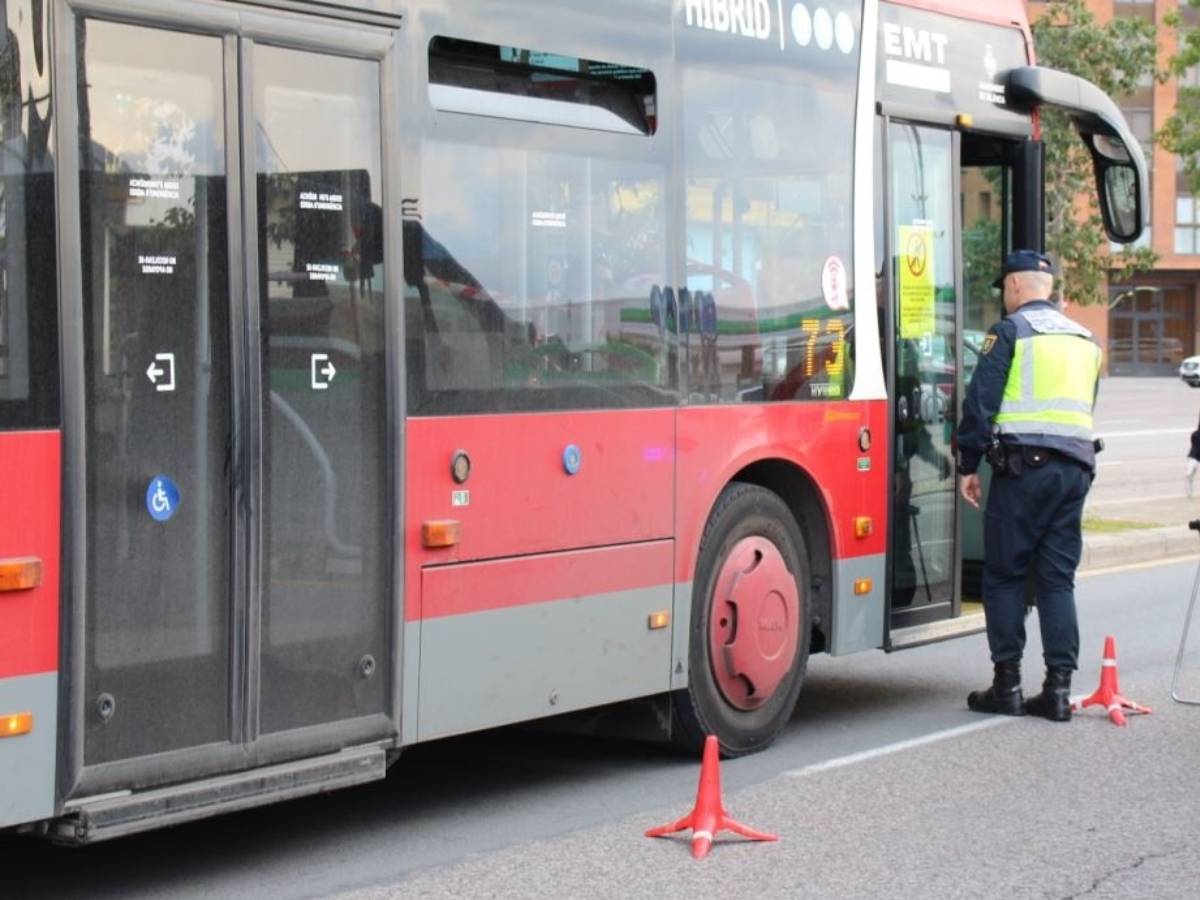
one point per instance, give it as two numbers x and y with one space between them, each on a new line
750 628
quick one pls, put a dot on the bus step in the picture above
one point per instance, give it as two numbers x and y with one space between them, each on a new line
932 632
112 816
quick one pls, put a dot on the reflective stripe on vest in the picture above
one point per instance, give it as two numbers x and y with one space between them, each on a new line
1051 385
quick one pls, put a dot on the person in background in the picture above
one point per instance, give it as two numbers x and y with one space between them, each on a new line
1193 461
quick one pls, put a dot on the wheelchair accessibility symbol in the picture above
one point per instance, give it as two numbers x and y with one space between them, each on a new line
162 498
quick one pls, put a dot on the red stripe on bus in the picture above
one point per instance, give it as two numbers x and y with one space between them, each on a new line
644 475
996 12
520 498
505 583
30 477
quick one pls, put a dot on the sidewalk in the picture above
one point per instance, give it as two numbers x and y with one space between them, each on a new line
1122 533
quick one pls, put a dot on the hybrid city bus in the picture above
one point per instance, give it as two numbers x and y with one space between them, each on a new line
376 372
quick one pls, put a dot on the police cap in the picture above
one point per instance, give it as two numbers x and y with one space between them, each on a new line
1023 261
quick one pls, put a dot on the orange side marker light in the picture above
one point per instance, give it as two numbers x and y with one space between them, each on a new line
864 527
16 724
659 620
20 574
441 533
863 586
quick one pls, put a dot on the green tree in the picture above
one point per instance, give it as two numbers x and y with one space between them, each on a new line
1181 134
1115 56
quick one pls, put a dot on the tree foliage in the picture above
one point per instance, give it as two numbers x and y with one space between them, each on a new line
1181 134
1115 56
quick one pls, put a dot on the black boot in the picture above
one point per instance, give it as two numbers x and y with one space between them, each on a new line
1004 696
1054 702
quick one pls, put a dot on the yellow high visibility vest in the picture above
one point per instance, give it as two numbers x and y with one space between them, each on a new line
1051 383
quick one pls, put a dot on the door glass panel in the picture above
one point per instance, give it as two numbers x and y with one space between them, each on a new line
984 194
326 621
926 392
156 322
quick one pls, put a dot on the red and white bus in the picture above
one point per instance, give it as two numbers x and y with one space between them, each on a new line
372 372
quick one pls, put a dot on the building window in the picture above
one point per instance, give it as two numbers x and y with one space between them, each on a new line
1187 224
1141 123
1143 9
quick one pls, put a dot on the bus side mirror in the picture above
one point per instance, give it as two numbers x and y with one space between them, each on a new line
1121 175
1118 183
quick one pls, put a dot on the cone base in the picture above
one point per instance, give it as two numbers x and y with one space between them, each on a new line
708 817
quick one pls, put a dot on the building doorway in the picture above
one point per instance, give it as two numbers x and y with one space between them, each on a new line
1151 329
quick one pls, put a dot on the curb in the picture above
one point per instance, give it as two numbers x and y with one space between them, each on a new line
1104 551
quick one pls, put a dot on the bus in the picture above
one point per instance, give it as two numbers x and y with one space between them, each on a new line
373 372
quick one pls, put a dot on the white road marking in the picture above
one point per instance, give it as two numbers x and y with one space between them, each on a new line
1142 499
1150 432
1135 567
900 746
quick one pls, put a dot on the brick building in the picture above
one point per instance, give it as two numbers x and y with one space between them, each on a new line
1152 321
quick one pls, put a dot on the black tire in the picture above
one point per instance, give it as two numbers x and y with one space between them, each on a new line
742 511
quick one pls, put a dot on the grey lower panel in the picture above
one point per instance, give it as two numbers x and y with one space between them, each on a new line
411 681
27 762
481 670
681 632
858 621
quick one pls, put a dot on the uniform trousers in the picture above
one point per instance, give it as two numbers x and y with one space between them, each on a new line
1033 524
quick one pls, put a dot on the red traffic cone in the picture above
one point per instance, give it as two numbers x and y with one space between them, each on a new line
1108 694
708 817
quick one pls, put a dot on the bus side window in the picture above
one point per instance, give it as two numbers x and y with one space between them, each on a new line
29 378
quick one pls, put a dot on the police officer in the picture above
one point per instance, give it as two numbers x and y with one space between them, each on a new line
1028 409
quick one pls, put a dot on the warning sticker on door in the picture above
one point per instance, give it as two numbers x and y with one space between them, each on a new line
916 281
157 265
327 202
154 187
322 271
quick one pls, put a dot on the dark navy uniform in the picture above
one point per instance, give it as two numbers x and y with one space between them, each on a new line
1033 521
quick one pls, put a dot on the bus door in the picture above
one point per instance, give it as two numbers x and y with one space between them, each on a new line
990 166
231 490
923 221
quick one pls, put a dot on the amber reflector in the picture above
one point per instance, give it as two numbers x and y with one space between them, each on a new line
20 574
863 586
659 620
863 527
441 533
16 724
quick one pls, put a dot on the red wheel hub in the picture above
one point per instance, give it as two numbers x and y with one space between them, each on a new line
752 632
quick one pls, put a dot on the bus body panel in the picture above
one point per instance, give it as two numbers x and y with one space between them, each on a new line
29 527
521 500
516 639
820 440
995 12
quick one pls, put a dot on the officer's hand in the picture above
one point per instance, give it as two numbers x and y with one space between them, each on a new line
972 489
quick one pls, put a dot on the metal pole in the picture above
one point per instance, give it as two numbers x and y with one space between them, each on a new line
1187 624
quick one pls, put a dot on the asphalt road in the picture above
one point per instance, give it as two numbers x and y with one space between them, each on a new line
875 790
1145 423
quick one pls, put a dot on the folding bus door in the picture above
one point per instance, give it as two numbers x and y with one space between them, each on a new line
923 216
230 440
